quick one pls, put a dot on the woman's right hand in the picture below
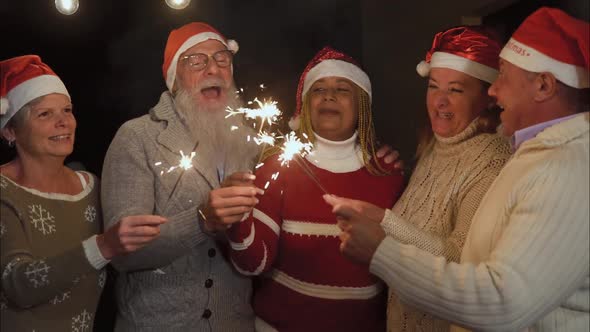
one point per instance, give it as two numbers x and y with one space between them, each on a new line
129 234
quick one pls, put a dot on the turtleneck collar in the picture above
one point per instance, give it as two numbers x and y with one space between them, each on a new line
336 156
467 133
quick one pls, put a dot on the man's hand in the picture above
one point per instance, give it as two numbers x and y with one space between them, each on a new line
239 179
391 156
228 205
129 234
361 233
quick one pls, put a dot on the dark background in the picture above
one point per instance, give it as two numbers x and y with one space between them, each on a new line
109 54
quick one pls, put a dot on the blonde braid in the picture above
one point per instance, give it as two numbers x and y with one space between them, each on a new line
366 135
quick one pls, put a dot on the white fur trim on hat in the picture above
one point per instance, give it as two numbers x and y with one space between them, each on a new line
295 122
464 65
28 90
231 45
338 68
528 58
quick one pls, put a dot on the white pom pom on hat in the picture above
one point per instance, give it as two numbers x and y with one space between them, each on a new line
423 68
295 122
4 105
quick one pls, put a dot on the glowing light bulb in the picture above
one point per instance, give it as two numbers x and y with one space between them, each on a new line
67 7
178 4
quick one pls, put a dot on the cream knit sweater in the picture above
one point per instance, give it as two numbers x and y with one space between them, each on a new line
525 263
435 211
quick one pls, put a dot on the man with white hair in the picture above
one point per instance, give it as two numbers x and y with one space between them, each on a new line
181 282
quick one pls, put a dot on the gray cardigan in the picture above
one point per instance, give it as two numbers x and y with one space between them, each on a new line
180 281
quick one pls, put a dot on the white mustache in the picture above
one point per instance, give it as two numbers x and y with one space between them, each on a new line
211 82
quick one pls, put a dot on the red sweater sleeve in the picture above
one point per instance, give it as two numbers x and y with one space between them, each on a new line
254 241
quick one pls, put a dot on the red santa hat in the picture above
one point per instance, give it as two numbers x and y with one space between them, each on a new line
328 62
472 50
23 79
184 38
550 40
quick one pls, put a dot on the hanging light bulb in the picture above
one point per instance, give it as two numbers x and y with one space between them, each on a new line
67 7
178 4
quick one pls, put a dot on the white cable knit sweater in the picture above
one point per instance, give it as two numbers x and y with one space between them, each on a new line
525 263
435 211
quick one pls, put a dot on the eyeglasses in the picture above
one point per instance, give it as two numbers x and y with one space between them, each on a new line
199 61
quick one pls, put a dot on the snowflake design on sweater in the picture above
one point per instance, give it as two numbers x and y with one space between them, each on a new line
90 213
2 229
9 267
37 273
81 322
102 278
60 298
41 219
3 183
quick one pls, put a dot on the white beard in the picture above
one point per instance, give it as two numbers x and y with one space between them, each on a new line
208 125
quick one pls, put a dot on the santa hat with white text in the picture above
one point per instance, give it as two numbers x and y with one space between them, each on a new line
185 37
326 63
23 79
550 40
472 50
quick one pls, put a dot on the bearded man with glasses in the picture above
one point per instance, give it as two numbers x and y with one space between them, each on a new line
180 282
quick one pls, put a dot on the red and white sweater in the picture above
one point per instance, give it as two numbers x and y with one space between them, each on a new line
292 239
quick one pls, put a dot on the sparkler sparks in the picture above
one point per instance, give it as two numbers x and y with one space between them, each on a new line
265 138
267 112
293 147
186 162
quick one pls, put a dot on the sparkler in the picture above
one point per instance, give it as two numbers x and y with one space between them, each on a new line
185 162
267 112
294 149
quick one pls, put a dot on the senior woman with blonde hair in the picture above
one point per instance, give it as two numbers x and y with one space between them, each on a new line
459 154
51 256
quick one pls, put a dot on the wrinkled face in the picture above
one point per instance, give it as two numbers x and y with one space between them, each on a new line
514 92
454 99
334 108
209 86
49 129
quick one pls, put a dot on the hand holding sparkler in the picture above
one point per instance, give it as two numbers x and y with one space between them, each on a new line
228 205
360 235
239 179
129 234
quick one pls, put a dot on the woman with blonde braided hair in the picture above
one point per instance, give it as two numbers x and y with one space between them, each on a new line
365 128
291 235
